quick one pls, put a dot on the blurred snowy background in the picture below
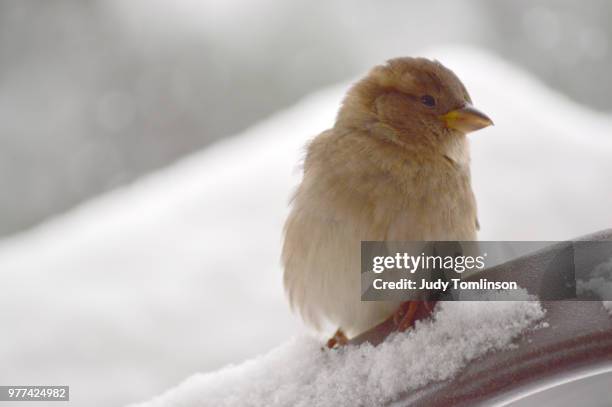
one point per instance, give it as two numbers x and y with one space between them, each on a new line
95 93
177 272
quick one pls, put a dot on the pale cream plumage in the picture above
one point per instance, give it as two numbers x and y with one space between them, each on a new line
392 168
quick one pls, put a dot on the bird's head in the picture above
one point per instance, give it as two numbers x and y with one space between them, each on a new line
413 99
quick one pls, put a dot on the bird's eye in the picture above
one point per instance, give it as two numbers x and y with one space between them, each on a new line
428 100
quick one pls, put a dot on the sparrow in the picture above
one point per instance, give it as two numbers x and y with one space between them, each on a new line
394 167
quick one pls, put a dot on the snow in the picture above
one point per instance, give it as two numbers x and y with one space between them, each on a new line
301 373
600 283
179 272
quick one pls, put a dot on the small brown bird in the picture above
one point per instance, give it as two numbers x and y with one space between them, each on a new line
395 166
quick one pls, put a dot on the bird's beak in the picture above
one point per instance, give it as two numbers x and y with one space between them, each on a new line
466 119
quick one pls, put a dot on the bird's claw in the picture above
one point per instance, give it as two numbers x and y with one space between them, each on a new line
411 311
337 340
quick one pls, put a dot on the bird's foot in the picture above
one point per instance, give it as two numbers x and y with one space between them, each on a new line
339 339
411 311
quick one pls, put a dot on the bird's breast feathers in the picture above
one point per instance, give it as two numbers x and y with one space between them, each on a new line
369 194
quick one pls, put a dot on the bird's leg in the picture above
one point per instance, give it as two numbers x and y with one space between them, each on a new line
339 339
429 306
404 316
411 311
